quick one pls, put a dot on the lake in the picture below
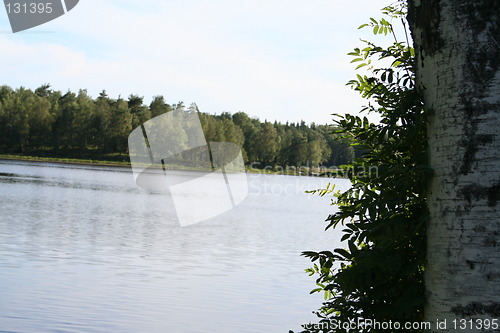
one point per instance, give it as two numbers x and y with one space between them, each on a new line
83 249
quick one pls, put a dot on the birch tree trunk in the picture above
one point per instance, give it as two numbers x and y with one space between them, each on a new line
457 50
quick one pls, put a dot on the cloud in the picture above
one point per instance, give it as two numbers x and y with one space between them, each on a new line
271 59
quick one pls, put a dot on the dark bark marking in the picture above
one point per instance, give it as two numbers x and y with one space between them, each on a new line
472 145
493 276
491 241
476 192
426 18
471 264
493 195
477 308
481 66
481 61
482 18
479 228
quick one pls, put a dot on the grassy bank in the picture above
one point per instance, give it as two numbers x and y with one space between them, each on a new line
63 160
302 171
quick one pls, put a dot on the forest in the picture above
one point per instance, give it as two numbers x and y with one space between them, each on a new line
49 123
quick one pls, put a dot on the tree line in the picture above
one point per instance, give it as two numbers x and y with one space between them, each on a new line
46 122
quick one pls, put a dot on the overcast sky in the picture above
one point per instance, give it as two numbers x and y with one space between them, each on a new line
273 59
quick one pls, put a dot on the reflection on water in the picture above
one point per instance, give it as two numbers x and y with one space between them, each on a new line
82 249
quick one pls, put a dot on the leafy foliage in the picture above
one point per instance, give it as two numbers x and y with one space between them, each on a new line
379 275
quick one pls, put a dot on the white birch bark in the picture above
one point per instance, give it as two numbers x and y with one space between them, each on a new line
458 58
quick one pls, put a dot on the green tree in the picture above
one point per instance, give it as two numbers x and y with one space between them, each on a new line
53 97
120 126
314 152
158 106
249 128
341 151
64 125
83 119
285 141
40 121
298 151
140 113
44 90
266 144
102 122
7 124
209 126
27 118
232 132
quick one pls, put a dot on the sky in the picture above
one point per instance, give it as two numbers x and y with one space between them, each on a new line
273 59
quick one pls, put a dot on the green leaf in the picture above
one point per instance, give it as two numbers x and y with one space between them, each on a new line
396 63
343 253
352 247
315 291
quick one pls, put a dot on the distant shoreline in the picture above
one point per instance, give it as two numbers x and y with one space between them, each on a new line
74 161
86 162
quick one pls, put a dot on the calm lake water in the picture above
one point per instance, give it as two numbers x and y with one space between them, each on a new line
83 249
